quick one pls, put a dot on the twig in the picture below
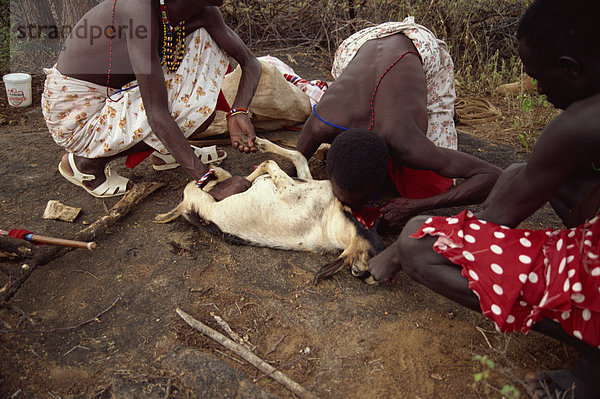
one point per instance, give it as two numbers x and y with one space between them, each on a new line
229 356
210 304
75 347
246 355
283 366
169 386
86 272
481 330
277 344
231 333
19 311
61 329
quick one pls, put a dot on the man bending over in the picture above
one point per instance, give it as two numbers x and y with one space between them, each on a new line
396 82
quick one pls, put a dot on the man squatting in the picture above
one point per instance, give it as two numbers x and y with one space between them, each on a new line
137 94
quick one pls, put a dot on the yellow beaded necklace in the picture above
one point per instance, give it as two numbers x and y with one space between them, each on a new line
173 49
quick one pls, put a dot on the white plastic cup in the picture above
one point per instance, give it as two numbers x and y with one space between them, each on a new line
18 89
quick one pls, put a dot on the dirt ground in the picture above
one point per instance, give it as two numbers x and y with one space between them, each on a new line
341 338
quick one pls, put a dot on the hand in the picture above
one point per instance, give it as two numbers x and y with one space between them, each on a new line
241 133
384 266
231 186
396 213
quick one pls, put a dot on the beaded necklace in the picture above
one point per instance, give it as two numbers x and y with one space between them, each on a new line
372 102
173 48
110 48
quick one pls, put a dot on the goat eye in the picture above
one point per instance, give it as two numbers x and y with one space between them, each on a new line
361 274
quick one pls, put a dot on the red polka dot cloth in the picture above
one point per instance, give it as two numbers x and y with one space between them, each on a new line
522 276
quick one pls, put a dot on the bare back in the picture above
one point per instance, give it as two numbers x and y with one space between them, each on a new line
89 52
402 90
87 58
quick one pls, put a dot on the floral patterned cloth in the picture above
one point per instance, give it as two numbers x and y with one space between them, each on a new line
83 121
439 73
522 276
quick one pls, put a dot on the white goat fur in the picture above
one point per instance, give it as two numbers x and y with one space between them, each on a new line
280 212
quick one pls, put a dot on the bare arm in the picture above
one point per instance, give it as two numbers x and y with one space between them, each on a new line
143 51
314 133
240 128
154 96
563 148
479 178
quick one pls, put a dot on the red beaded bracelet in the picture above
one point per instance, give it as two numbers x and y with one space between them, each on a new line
237 111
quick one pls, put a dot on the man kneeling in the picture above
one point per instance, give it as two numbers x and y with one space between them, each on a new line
521 279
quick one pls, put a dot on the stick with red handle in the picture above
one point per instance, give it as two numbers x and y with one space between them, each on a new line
36 238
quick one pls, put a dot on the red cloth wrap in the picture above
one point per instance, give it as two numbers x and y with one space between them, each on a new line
367 216
19 233
522 276
417 184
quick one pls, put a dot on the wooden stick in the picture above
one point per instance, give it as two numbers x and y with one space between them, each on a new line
247 355
61 329
63 242
46 255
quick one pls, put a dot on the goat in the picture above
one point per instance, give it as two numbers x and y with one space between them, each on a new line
280 212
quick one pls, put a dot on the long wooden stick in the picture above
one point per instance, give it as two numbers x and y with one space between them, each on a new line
247 355
63 242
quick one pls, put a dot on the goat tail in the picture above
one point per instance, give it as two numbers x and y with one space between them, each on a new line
172 214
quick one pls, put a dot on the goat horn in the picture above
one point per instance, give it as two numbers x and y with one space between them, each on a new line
328 270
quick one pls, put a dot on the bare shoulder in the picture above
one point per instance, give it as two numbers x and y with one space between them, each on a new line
208 17
578 125
132 8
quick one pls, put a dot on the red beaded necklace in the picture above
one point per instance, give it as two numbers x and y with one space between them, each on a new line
110 46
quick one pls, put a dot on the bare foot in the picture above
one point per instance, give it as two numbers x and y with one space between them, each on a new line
385 265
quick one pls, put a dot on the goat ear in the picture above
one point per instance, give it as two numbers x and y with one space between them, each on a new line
328 270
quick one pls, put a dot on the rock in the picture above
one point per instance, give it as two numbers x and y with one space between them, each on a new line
56 210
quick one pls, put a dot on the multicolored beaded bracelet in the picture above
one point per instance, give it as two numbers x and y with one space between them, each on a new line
237 111
201 182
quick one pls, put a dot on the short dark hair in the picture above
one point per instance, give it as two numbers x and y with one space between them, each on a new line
357 160
561 26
